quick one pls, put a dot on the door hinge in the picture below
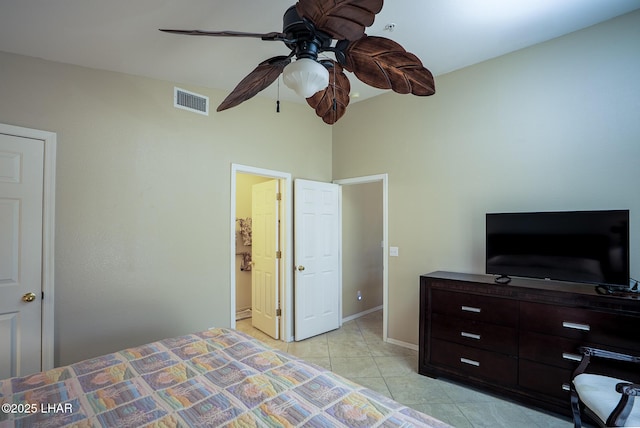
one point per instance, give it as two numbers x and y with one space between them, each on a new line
278 312
278 196
278 254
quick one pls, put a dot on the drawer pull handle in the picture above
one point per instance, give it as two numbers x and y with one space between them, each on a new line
470 362
566 387
571 357
576 326
470 335
470 309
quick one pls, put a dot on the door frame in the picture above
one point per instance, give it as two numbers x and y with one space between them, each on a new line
286 235
384 178
48 235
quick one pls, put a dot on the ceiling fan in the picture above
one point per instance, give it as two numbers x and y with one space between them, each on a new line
309 29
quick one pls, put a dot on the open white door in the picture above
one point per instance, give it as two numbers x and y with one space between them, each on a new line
264 256
317 258
21 219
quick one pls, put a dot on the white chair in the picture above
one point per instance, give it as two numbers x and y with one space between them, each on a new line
608 401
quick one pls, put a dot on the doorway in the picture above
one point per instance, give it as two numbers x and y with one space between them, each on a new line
242 179
244 249
368 234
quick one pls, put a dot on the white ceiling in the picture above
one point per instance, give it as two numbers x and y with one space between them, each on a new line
122 35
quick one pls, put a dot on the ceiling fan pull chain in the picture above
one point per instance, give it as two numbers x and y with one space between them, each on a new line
278 100
335 103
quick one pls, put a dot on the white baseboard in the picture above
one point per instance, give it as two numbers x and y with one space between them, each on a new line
361 314
403 344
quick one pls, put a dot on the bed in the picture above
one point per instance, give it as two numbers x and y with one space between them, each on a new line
218 377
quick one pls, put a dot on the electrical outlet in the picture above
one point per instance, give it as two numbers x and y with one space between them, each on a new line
394 251
359 295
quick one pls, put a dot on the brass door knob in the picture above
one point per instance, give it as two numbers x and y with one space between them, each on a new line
29 297
300 268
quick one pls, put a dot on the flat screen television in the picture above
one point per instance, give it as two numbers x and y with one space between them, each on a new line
576 246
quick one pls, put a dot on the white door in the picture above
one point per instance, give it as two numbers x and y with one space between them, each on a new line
317 258
21 193
264 251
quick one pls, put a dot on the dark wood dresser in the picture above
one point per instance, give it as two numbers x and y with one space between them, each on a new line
521 339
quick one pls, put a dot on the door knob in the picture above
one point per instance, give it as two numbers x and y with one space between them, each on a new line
300 268
29 297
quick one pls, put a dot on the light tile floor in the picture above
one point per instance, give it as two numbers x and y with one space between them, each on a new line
357 352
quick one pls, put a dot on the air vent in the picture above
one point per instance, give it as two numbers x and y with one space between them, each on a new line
190 101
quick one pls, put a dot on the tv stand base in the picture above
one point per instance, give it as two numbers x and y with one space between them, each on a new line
502 279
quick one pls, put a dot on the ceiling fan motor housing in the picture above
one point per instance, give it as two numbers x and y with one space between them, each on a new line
308 41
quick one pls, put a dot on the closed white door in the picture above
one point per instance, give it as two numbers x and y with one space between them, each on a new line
317 258
264 256
21 193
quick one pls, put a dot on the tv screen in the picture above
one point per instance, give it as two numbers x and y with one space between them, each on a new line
576 246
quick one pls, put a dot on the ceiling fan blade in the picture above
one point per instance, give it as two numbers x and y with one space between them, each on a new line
264 36
261 77
341 19
331 103
384 64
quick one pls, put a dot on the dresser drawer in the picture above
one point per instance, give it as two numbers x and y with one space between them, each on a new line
547 380
552 350
487 336
474 362
585 325
493 310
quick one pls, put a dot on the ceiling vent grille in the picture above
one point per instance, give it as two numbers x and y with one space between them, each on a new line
190 101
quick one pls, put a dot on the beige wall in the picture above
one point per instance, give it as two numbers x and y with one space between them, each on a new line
142 196
361 247
552 127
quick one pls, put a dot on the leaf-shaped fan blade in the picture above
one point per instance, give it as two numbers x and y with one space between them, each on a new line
261 77
341 19
384 64
331 103
264 36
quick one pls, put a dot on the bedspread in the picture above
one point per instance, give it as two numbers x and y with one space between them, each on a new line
218 377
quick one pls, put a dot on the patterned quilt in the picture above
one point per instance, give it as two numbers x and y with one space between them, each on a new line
218 377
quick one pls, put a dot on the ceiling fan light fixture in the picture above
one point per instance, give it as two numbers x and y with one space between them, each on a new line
306 77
